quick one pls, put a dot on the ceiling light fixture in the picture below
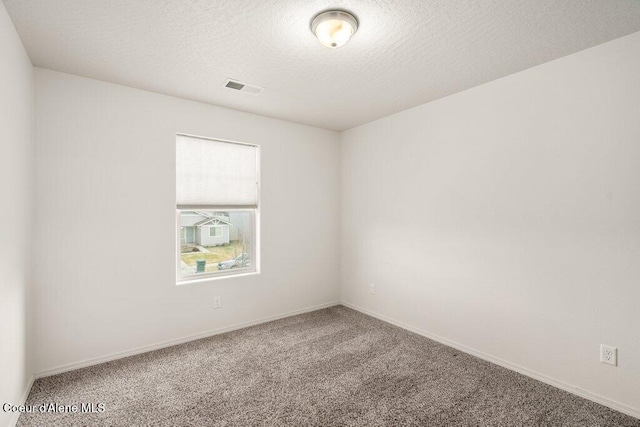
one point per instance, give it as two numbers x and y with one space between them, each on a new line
334 28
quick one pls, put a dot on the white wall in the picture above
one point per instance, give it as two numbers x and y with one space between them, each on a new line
506 218
106 283
16 159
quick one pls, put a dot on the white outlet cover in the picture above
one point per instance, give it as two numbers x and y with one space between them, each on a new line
372 288
608 355
217 303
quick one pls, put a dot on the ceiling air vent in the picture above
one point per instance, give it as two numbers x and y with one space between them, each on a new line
243 87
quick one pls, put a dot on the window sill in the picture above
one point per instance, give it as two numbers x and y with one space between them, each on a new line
194 280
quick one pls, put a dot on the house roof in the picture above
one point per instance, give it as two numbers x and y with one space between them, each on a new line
200 218
212 221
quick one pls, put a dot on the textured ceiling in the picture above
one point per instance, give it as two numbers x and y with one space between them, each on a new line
405 53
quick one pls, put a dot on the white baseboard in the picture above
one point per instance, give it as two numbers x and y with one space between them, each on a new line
621 407
144 349
14 417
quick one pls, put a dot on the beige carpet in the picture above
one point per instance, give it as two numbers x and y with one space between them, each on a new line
332 367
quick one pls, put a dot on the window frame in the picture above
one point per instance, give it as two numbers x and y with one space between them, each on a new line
254 269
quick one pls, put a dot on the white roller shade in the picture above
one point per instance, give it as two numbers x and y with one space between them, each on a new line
215 173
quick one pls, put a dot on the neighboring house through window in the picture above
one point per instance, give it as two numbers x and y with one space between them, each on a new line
217 191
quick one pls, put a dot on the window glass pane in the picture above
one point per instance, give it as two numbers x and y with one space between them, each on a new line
221 241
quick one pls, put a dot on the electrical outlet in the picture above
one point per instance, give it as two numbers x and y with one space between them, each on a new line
608 355
217 302
372 288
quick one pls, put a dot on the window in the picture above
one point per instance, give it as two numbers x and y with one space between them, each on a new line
217 191
215 231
